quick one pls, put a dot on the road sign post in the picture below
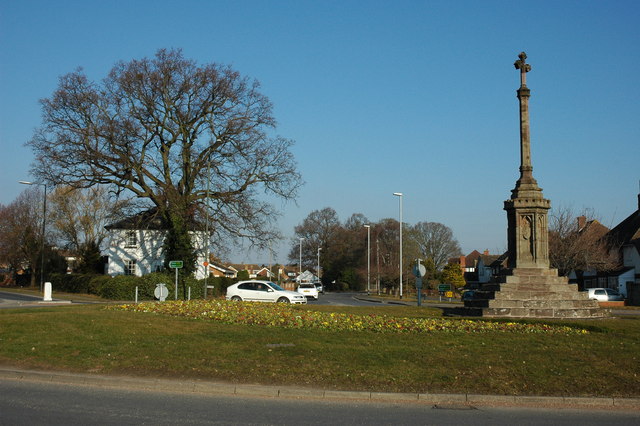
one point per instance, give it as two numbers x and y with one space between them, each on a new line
419 271
176 264
442 288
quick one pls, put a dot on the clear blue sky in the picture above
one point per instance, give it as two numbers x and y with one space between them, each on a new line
416 97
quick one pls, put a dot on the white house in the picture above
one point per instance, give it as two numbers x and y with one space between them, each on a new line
307 277
624 241
625 238
135 246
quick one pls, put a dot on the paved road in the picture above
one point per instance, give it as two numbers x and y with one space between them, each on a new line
361 299
15 300
342 299
10 299
38 403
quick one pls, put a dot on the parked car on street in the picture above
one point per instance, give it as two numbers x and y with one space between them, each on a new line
604 295
263 291
309 290
468 294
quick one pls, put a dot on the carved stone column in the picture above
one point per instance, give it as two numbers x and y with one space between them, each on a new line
527 223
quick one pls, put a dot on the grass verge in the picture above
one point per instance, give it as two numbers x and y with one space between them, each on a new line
92 339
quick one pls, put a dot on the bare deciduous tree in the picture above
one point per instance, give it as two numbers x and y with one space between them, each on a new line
77 221
176 134
436 242
317 230
21 233
78 216
576 243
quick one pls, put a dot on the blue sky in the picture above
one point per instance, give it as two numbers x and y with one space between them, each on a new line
416 97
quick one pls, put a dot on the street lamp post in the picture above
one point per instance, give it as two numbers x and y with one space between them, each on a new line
300 259
44 224
319 248
207 207
399 195
368 258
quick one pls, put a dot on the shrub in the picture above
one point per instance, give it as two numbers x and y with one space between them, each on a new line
123 287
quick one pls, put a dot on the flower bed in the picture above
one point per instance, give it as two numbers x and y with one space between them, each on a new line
288 316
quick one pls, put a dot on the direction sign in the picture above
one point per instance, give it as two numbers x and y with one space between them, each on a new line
176 264
419 270
444 287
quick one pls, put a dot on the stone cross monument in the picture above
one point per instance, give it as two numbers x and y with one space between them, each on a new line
527 232
528 287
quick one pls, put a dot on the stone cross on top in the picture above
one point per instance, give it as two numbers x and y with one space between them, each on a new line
524 68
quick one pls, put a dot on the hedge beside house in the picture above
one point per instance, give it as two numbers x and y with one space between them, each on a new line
123 287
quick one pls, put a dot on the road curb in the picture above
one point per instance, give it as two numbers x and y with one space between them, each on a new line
214 388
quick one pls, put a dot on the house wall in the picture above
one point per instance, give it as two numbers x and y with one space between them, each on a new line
484 272
623 279
147 252
200 244
630 257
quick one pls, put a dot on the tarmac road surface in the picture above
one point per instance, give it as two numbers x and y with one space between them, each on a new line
39 403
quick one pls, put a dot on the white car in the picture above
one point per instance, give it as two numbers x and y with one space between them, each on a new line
263 291
309 290
605 295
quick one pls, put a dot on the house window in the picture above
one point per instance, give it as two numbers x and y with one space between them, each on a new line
130 267
131 239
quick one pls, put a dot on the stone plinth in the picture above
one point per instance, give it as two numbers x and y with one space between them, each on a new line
533 293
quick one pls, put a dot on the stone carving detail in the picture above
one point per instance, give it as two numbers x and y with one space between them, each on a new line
528 235
521 64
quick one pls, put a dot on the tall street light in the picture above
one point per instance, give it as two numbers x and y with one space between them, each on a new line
207 235
319 248
399 195
300 260
368 257
44 223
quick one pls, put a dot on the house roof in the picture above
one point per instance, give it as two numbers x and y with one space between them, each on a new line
614 273
472 257
246 266
500 260
594 228
148 219
627 231
221 268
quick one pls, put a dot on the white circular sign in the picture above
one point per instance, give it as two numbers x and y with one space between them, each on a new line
161 292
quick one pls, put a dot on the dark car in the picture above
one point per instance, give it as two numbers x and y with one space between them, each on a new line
468 295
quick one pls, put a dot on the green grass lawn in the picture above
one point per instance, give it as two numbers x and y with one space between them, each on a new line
604 362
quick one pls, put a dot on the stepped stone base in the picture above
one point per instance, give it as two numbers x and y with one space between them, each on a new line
532 293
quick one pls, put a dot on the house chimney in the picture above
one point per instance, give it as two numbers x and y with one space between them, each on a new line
486 252
582 221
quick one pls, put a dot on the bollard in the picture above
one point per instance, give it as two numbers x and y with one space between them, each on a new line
189 297
47 292
136 294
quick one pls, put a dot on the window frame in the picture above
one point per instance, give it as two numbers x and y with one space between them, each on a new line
130 267
131 239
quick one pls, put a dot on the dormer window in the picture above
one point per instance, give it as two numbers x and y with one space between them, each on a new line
131 239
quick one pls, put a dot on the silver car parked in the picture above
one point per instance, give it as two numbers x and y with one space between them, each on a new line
263 291
605 295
